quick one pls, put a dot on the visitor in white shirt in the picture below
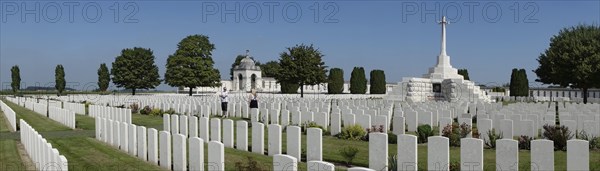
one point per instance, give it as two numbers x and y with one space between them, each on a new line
224 101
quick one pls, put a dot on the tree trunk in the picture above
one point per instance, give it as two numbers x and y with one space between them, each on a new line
190 91
301 90
585 95
133 91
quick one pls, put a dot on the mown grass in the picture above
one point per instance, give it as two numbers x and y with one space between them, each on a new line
39 122
9 156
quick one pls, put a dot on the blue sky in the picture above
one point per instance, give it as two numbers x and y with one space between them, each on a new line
489 38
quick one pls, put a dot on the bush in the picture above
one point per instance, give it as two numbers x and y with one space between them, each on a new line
525 142
558 134
146 110
423 132
135 108
454 165
454 133
492 137
156 112
393 162
392 138
349 153
594 142
251 164
170 111
352 132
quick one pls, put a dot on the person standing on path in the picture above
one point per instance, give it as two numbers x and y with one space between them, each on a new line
224 101
253 99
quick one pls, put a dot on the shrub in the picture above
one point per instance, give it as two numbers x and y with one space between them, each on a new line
594 142
251 164
455 132
492 137
156 112
349 153
525 142
393 162
558 134
423 132
454 165
146 110
170 111
352 132
392 138
135 108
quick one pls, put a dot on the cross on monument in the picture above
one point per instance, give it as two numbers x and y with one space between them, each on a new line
247 53
443 23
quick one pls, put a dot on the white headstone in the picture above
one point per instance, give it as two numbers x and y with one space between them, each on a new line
399 125
179 152
215 129
471 152
258 138
166 122
183 125
284 163
142 144
174 124
123 133
293 141
196 153
542 155
153 145
132 146
228 133
507 154
378 151
336 125
314 144
193 129
203 128
216 156
483 126
578 155
274 138
407 150
241 142
320 166
165 150
411 120
438 156
507 128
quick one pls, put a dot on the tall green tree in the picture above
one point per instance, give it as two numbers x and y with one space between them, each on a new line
59 75
377 82
135 69
572 60
270 69
15 73
464 73
358 81
523 83
301 65
514 83
192 65
103 77
335 81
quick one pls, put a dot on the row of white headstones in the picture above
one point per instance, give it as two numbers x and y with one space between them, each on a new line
10 115
203 129
41 152
63 116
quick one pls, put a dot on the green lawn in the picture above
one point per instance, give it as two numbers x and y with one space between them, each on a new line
39 122
9 156
84 122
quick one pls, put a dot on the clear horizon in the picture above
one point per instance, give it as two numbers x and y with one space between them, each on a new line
488 38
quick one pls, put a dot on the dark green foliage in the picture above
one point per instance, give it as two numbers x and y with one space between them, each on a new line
423 132
170 111
103 77
358 81
594 142
454 165
335 81
519 84
498 89
289 88
251 165
492 137
135 69
573 59
192 65
464 73
270 69
60 82
301 65
146 110
349 153
392 138
16 79
525 142
393 162
352 132
455 132
377 82
559 135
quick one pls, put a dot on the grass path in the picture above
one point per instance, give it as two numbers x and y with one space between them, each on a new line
9 156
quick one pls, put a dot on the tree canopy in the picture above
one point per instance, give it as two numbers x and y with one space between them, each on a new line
135 69
301 65
358 81
191 65
335 81
573 59
270 69
103 77
60 82
377 82
16 78
464 73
